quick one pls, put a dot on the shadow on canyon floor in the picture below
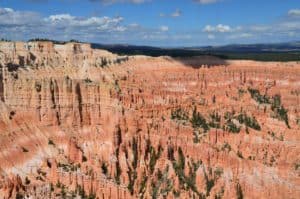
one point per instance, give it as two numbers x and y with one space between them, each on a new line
202 61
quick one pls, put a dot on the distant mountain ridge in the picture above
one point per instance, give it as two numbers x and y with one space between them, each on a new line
274 47
261 47
288 51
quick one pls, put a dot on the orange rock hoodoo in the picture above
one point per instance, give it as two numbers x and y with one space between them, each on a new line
75 121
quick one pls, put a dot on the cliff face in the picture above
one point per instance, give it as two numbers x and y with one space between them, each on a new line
82 122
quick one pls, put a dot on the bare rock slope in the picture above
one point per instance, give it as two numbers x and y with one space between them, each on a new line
79 122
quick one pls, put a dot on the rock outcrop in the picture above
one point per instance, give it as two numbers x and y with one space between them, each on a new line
76 121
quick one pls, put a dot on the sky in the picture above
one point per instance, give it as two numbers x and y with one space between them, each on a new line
167 23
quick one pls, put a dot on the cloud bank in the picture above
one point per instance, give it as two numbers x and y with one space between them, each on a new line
24 25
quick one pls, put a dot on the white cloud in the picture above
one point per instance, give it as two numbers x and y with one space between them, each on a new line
5 11
23 25
220 28
241 35
208 28
206 1
259 28
294 13
120 1
9 16
134 25
60 17
99 23
164 28
211 36
223 28
177 13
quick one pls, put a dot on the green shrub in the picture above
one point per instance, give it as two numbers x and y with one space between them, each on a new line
190 180
198 121
261 99
88 80
279 110
196 138
231 127
250 122
179 114
132 175
226 146
142 189
215 120
154 156
218 172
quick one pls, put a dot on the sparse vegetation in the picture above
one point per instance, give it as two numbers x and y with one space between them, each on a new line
104 62
274 136
132 175
54 41
211 181
67 167
226 146
88 80
143 185
5 40
179 114
161 185
241 92
198 121
279 110
261 99
154 156
196 138
186 182
230 126
215 120
218 172
250 122
79 191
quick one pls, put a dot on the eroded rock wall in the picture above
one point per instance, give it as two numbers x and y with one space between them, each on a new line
82 122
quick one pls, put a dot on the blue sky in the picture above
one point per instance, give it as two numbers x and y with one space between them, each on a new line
153 22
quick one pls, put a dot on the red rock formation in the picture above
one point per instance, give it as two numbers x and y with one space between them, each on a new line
81 122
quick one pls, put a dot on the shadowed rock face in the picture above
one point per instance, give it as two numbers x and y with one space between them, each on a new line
81 122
